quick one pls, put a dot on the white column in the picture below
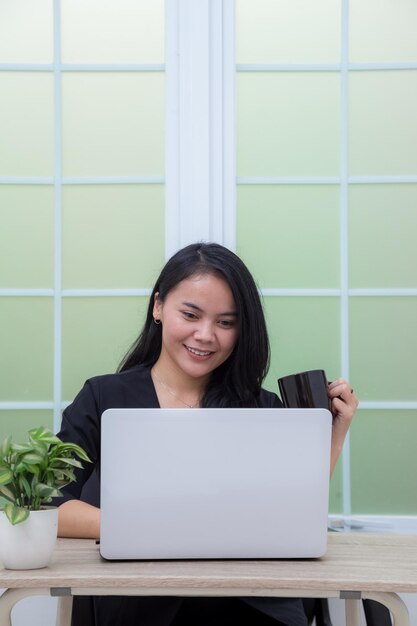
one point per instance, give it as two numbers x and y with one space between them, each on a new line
200 146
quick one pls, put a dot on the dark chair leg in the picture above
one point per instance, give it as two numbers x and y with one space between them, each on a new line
323 613
376 613
318 609
309 605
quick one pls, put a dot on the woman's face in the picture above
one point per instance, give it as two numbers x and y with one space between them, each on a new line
199 325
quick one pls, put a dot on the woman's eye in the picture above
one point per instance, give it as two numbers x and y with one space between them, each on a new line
227 323
189 316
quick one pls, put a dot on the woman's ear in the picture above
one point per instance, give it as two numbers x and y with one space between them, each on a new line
157 307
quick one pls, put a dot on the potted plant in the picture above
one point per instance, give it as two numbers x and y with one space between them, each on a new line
31 474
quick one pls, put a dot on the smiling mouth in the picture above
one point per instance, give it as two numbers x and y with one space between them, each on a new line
199 352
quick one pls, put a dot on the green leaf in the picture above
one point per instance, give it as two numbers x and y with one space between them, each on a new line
6 476
45 491
8 493
15 514
24 468
33 458
64 480
43 435
75 449
25 486
6 446
59 473
22 447
64 462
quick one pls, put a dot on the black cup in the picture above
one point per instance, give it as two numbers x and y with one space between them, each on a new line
305 390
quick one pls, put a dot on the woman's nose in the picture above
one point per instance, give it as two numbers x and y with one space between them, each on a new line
204 331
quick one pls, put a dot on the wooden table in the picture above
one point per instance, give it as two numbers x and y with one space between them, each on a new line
356 566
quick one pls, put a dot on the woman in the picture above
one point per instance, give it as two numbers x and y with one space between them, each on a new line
204 344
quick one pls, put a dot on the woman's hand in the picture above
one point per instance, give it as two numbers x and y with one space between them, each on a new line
344 404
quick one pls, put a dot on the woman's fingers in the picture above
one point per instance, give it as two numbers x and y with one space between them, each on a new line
342 389
344 399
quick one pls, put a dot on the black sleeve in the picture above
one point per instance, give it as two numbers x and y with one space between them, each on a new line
269 400
81 425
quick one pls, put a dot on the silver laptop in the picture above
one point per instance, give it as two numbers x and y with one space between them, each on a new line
214 483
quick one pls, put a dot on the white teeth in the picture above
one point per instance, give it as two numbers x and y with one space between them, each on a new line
198 352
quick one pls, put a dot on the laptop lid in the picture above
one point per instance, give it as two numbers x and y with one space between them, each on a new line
214 483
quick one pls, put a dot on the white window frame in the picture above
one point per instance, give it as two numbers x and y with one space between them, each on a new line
200 128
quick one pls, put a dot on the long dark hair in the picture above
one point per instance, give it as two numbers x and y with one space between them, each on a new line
237 381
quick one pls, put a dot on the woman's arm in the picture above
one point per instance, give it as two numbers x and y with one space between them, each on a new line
78 519
344 404
81 425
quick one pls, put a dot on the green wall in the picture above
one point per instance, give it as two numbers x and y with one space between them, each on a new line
327 216
326 154
82 194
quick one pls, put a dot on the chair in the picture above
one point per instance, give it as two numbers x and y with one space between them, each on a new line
376 614
318 610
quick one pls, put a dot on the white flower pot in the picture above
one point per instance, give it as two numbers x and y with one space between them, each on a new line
28 545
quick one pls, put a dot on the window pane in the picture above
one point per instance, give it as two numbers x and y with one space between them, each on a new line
96 334
383 348
304 334
26 31
336 490
383 31
382 226
384 462
17 423
287 124
104 31
26 236
383 132
26 355
289 235
113 236
26 124
113 124
289 31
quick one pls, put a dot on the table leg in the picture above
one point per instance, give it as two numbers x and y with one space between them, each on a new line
64 611
393 602
352 611
9 599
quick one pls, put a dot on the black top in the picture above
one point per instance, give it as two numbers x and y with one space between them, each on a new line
134 388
